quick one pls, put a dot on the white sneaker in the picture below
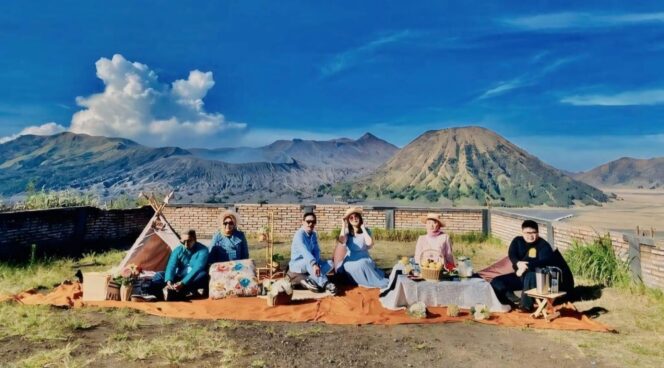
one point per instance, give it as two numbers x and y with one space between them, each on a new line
331 288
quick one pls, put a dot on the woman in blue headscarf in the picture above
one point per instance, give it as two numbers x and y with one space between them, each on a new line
228 243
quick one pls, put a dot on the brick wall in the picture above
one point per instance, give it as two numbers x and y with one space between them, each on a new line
69 231
203 219
565 235
652 264
456 220
288 217
505 226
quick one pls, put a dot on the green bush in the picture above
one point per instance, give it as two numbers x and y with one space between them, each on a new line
44 199
597 261
124 201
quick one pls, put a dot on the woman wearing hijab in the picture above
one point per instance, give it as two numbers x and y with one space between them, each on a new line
228 243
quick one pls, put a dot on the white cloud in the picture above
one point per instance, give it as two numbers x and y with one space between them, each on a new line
136 105
581 20
629 98
527 79
354 56
44 129
503 87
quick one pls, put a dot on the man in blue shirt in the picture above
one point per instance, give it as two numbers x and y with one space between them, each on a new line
186 272
306 264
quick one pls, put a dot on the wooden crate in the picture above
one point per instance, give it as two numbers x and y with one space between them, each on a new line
95 285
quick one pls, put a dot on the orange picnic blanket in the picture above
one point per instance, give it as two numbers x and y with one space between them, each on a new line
354 306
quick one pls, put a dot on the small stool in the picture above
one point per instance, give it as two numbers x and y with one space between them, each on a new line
545 304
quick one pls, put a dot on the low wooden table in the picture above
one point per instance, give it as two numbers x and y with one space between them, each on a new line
545 304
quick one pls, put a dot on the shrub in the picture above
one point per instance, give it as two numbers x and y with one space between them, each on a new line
597 261
54 199
124 201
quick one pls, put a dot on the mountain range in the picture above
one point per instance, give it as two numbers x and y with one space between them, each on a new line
467 165
474 165
115 166
627 172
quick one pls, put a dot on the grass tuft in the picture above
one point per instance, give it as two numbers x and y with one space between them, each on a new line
598 262
54 358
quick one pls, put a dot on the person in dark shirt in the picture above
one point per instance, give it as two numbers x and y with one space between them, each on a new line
527 253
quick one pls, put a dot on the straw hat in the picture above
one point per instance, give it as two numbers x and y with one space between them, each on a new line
352 210
231 214
433 216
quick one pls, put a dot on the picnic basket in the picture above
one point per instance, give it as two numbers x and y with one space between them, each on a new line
429 274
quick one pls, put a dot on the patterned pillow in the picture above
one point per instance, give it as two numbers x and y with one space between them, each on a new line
233 278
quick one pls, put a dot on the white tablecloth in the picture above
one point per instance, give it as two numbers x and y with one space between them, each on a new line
465 293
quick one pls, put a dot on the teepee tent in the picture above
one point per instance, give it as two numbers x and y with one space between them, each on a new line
153 247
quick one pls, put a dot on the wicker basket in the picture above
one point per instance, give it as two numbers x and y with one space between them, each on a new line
428 273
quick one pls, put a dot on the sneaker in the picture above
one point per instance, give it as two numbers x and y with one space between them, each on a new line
331 288
309 285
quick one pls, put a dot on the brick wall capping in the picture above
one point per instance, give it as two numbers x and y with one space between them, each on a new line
302 206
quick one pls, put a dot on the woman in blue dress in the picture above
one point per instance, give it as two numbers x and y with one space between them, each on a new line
357 263
228 243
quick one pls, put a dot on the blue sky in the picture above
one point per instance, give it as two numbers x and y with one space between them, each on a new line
575 83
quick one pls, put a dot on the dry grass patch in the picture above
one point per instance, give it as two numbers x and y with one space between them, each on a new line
47 273
638 316
186 344
61 357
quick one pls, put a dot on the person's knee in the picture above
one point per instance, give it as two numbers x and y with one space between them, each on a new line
529 280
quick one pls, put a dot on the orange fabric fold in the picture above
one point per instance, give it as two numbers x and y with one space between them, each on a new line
355 306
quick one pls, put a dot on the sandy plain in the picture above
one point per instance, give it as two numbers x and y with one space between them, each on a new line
631 208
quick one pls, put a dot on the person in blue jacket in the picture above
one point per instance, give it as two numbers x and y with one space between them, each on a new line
186 272
228 243
306 264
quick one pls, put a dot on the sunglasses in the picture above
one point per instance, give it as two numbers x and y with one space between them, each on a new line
310 222
228 223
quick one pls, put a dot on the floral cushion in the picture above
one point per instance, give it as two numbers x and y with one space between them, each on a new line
233 278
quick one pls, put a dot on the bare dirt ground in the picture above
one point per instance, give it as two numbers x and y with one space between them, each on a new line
304 344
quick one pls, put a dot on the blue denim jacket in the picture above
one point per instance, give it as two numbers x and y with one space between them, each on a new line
228 248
